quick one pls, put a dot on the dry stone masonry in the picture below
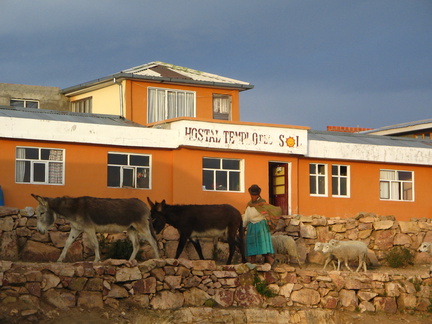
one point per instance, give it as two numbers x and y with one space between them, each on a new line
28 278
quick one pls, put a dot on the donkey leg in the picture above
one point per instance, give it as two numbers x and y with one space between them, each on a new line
133 236
232 246
74 233
197 246
91 234
181 244
147 235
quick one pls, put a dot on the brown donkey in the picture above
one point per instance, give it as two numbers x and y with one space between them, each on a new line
102 215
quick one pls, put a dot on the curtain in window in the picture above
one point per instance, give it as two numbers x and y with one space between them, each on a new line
171 104
189 109
156 105
152 99
55 169
20 165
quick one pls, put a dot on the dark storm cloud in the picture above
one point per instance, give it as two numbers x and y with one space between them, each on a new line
313 63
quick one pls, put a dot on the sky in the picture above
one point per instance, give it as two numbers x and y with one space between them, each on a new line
315 63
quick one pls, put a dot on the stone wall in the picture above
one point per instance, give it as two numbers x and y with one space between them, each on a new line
170 284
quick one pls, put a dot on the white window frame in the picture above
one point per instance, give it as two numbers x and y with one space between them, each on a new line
317 177
392 187
164 104
218 172
53 167
338 177
25 102
138 171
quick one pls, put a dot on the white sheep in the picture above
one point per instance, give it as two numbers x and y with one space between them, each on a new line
427 247
285 245
346 251
328 256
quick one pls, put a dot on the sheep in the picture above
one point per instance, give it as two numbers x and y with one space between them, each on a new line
328 256
284 244
346 251
427 247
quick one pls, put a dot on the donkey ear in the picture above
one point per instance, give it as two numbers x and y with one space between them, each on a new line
150 202
40 199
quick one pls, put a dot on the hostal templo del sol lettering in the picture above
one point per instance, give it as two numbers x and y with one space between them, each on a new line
208 135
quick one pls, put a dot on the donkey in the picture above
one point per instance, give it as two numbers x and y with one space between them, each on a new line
102 215
195 221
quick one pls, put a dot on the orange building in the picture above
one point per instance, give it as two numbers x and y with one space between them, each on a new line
204 155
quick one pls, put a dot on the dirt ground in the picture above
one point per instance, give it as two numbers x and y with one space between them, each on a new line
126 314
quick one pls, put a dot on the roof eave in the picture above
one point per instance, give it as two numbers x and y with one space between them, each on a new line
130 76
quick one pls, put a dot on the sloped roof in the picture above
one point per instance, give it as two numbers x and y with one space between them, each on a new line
341 137
55 115
169 73
401 128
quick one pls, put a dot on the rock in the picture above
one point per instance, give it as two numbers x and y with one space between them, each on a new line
27 212
128 274
59 298
306 296
90 299
348 299
167 300
7 211
366 306
224 297
6 224
409 227
383 225
407 301
307 231
9 246
385 304
247 296
384 239
117 292
195 297
49 281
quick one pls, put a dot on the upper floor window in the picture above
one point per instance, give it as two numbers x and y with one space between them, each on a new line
222 174
39 165
318 179
82 105
24 103
221 107
397 185
340 180
129 170
168 103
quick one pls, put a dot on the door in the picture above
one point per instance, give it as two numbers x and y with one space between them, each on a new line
278 180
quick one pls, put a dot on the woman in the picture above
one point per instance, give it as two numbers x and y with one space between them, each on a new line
258 238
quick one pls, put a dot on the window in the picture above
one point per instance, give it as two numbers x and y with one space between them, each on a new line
167 103
222 174
397 185
128 170
318 179
39 165
221 107
340 181
24 103
82 105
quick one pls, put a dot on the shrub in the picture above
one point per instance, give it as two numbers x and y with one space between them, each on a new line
121 249
262 287
399 257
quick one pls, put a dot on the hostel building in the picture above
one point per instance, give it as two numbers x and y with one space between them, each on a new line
167 132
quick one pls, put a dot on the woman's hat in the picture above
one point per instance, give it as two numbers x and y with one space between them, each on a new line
254 190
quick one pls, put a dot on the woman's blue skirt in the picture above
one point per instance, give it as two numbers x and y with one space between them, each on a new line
258 239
